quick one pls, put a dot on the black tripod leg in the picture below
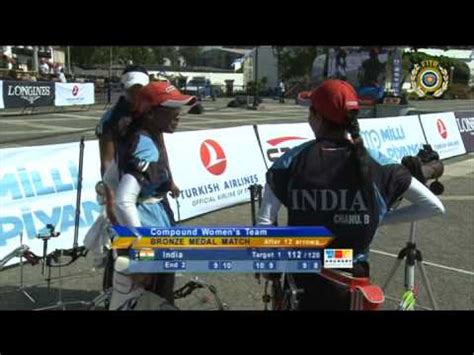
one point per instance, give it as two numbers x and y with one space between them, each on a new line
259 195
426 281
400 257
252 204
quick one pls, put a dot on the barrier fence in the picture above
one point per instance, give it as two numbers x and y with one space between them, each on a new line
30 94
213 168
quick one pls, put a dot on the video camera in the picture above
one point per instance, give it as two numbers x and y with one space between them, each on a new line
426 165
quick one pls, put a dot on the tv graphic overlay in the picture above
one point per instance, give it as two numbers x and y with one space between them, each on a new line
338 259
223 249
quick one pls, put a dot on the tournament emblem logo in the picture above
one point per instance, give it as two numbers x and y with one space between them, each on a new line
429 78
75 90
442 130
213 157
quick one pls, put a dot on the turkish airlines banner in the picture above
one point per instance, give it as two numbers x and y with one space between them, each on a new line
443 134
213 168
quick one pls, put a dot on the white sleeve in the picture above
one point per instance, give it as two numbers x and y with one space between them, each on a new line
268 213
425 204
111 175
125 201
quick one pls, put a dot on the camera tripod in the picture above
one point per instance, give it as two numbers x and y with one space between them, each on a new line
413 257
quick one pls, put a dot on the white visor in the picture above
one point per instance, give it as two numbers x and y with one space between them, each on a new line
134 78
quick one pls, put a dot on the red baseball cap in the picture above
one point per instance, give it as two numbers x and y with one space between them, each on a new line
332 100
161 93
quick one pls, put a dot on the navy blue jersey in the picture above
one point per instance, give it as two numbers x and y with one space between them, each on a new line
320 184
144 158
115 122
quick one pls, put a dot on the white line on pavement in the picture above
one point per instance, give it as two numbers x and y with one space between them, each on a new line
462 271
43 127
77 116
246 120
456 198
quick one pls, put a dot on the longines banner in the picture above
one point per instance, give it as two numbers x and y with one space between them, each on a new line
465 121
28 93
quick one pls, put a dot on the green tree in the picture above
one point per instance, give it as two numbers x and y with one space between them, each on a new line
89 55
295 62
190 54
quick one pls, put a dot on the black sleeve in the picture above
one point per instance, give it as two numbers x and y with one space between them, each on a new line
109 130
392 181
278 180
129 164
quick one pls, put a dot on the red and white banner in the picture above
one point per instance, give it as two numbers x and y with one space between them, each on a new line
213 168
442 132
277 139
72 94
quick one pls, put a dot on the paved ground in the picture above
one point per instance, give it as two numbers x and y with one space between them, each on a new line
447 242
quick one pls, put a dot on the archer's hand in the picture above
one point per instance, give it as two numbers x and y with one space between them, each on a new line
175 191
109 210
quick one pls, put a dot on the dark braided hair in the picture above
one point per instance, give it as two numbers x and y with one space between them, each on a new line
359 152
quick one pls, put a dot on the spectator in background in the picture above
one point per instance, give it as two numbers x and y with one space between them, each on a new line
61 76
282 92
4 62
44 67
372 69
341 64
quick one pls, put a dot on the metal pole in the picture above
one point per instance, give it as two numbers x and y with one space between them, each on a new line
110 66
35 59
78 196
255 97
69 60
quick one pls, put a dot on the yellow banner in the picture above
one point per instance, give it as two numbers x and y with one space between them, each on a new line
221 242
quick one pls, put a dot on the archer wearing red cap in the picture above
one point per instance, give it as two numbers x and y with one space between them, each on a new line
333 182
145 180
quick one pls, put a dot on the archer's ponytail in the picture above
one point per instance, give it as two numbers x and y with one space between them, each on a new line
359 152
